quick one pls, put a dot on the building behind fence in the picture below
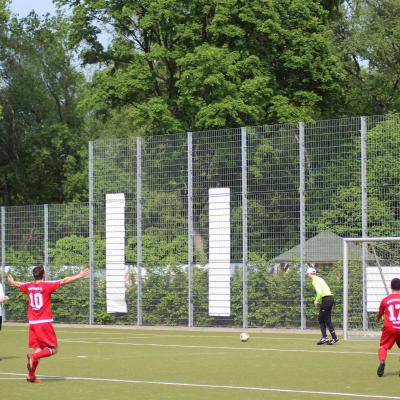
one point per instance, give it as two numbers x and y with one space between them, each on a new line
294 191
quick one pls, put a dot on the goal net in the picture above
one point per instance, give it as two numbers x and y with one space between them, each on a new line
369 264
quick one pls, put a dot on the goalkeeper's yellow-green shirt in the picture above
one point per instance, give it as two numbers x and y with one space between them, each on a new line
321 288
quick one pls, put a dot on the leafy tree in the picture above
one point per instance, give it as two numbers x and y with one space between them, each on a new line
343 215
369 35
74 251
40 132
159 253
174 65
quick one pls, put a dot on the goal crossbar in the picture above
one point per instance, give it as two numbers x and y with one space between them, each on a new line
346 242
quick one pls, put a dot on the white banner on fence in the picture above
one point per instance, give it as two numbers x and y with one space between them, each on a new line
375 287
115 253
219 235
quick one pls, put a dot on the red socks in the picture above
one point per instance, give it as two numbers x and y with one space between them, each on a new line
46 352
382 354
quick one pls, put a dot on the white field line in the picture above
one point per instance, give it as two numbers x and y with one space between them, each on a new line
209 386
145 335
181 346
236 337
232 335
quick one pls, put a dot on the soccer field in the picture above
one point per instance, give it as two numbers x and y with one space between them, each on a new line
108 363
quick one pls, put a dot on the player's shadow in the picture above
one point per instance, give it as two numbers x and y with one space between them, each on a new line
392 373
52 378
8 358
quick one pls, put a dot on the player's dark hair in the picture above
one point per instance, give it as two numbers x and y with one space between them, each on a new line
38 272
395 284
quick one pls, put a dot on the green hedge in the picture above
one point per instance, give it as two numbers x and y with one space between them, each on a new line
273 298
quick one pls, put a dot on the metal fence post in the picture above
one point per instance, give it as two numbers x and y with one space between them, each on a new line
46 238
364 215
3 254
139 227
91 235
190 228
345 289
302 221
244 227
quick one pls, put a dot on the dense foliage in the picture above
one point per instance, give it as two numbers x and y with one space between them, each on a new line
273 295
153 67
168 66
41 141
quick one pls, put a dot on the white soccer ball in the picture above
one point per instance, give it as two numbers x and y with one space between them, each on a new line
244 337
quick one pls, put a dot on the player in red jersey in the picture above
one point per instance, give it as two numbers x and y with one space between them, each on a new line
390 307
42 337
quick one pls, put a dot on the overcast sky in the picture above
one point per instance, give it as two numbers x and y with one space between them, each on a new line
24 7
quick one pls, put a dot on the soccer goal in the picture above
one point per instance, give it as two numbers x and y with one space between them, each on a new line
369 264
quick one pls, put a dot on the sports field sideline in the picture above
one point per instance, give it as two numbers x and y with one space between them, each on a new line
155 364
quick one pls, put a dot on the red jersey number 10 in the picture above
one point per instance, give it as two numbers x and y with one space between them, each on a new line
36 301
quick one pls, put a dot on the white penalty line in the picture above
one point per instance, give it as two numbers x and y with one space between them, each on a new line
266 336
221 347
208 386
144 335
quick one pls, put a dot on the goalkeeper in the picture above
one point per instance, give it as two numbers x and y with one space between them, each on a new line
325 301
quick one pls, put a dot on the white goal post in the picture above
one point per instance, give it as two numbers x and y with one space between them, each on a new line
382 273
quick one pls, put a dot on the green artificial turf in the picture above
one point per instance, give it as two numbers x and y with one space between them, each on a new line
156 364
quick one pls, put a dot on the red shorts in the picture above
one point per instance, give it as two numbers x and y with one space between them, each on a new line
42 335
389 337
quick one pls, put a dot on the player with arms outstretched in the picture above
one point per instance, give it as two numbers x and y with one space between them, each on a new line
42 337
390 308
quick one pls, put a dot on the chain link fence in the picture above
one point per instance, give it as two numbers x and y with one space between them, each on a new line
295 191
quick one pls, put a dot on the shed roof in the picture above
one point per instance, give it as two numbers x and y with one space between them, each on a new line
324 248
